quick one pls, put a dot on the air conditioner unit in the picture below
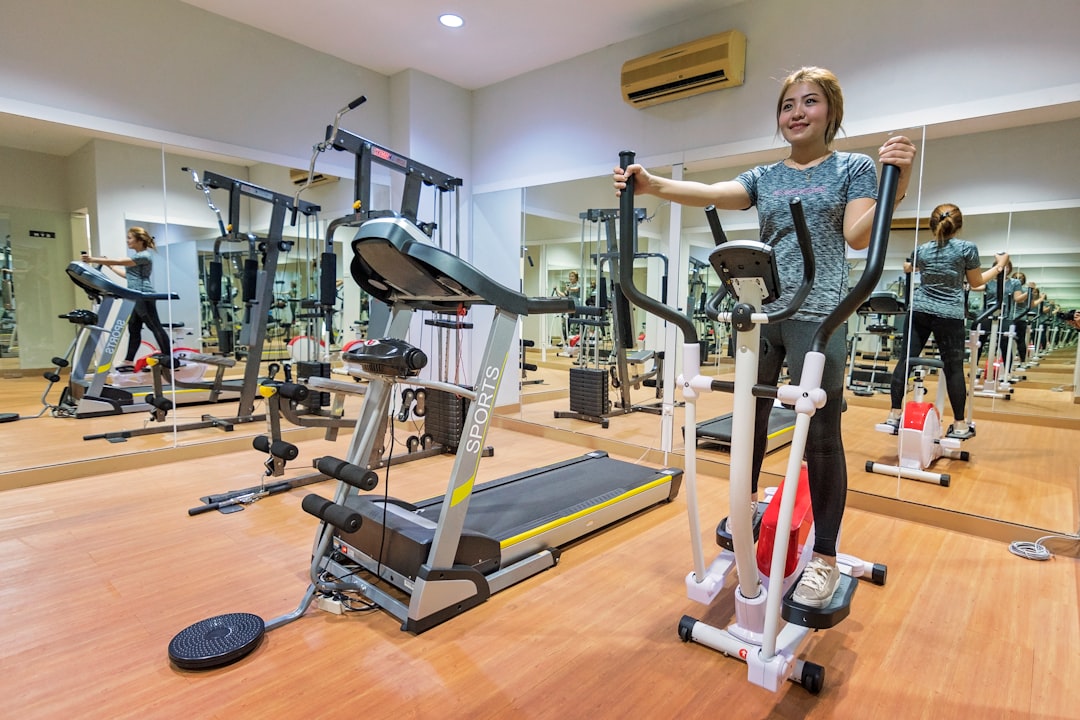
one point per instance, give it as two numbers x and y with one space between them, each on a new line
299 177
711 63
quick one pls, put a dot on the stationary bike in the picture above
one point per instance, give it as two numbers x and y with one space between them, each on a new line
747 269
921 436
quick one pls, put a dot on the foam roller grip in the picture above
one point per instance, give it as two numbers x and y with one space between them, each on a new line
330 512
348 473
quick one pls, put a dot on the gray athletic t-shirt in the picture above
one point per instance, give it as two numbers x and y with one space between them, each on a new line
1008 311
942 271
825 191
138 275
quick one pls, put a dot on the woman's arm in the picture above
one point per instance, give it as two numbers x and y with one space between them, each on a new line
725 195
859 213
118 266
978 278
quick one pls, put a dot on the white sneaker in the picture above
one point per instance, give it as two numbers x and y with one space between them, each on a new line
817 585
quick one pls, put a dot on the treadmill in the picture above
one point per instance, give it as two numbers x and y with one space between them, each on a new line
425 562
716 433
88 391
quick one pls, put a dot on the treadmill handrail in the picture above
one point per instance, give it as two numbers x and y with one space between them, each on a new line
96 283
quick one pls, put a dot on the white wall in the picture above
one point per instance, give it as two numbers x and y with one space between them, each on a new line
168 71
901 64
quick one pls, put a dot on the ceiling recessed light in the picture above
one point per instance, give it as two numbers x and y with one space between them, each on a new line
451 21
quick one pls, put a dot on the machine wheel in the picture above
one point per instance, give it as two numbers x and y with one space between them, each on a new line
813 678
686 628
879 573
216 641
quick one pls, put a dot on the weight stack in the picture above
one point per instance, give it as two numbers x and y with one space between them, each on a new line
307 369
589 391
444 417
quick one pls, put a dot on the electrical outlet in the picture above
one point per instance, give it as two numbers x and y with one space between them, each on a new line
330 605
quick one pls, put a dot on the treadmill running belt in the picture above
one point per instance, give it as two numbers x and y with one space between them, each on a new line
781 424
500 509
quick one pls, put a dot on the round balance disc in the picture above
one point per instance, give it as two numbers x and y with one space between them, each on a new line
216 641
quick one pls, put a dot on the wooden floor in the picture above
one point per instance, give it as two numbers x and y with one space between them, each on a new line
100 572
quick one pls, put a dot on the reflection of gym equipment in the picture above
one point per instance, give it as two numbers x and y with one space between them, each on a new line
258 295
9 335
528 367
88 394
80 319
757 636
921 433
713 334
868 371
429 561
716 433
995 382
628 366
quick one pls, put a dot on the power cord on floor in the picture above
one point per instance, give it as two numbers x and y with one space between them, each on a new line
1036 550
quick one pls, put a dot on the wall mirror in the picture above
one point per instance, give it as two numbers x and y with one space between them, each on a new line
66 189
1006 203
1010 176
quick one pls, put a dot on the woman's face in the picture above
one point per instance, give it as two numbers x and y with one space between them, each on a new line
804 114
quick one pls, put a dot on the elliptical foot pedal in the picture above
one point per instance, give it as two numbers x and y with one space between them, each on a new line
216 641
723 535
825 617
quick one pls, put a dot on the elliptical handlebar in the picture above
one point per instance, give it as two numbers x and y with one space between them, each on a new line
626 261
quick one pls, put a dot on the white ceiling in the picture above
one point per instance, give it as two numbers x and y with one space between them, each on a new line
499 40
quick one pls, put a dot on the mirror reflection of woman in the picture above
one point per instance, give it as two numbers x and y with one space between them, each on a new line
1026 300
136 271
572 289
939 310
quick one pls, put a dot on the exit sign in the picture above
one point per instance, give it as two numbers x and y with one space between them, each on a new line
42 234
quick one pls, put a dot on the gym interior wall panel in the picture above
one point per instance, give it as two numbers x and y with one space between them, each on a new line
168 71
42 290
568 120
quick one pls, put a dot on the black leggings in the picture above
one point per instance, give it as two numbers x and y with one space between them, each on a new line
1020 327
145 313
949 334
825 462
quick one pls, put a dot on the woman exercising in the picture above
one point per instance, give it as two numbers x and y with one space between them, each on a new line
938 309
136 270
838 191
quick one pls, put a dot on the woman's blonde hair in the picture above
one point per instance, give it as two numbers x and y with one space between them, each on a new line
945 222
830 88
142 236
